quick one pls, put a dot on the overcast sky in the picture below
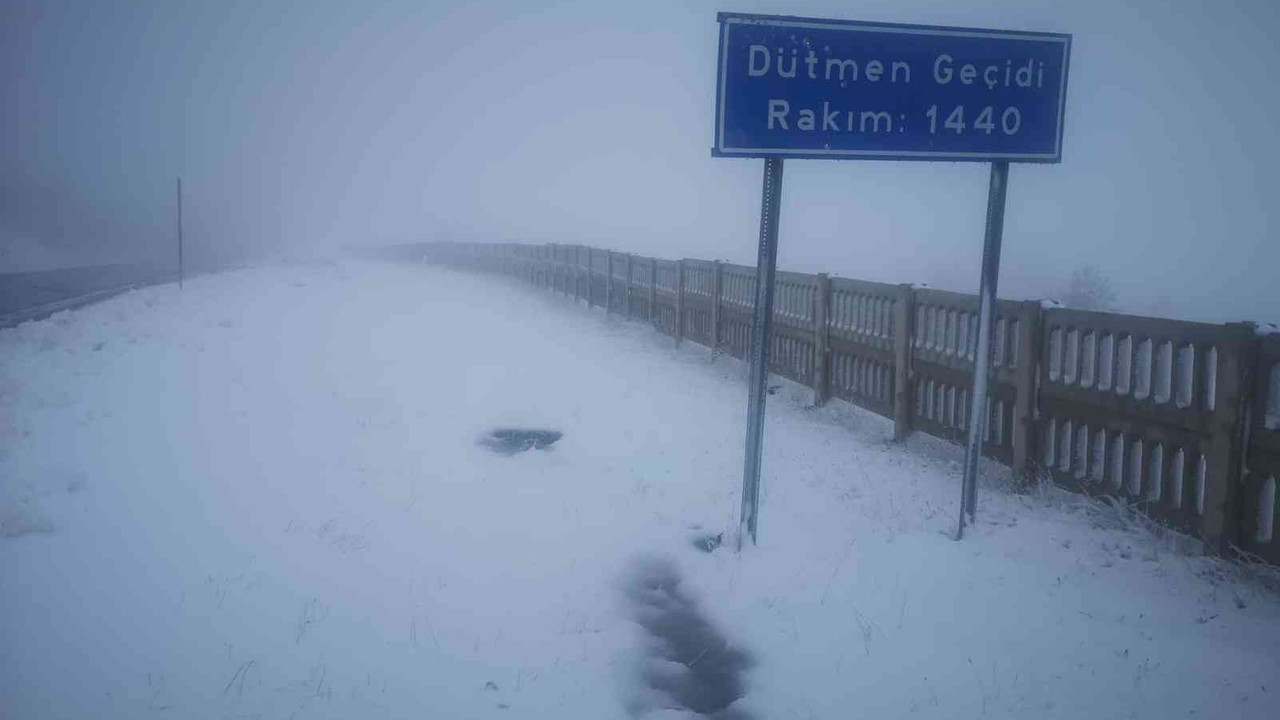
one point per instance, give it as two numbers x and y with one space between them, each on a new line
309 125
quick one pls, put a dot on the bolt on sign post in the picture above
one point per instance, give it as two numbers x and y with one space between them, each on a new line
804 88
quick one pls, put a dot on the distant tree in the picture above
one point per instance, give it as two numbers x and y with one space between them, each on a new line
1088 289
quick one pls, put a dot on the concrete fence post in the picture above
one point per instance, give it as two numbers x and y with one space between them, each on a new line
679 329
821 340
627 298
608 281
575 272
551 267
653 289
717 289
1026 382
1224 460
903 327
584 274
562 269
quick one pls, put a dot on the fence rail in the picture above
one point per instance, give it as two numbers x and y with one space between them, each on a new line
1179 418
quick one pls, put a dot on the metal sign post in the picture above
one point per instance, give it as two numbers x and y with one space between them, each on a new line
978 415
766 268
792 87
180 273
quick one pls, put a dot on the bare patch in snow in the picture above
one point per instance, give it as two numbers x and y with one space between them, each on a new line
509 441
691 666
22 517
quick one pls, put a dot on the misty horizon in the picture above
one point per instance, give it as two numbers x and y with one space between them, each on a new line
300 130
569 359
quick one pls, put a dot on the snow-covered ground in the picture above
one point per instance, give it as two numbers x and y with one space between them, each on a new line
264 497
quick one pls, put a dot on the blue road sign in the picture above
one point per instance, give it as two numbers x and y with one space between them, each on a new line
804 88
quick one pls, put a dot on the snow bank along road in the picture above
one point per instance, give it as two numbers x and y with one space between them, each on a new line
264 497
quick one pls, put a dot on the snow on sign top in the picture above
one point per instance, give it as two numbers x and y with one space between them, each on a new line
799 87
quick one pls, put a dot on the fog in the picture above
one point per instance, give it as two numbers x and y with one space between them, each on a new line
358 481
300 128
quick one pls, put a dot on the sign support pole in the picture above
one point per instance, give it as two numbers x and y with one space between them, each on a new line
766 269
180 273
765 109
982 356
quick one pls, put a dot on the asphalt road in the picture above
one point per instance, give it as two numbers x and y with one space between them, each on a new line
25 293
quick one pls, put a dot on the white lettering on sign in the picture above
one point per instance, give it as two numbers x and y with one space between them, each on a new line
841 67
763 61
1019 76
778 110
865 121
875 118
1010 120
829 118
758 53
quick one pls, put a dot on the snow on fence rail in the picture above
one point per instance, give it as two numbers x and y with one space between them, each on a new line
1181 419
